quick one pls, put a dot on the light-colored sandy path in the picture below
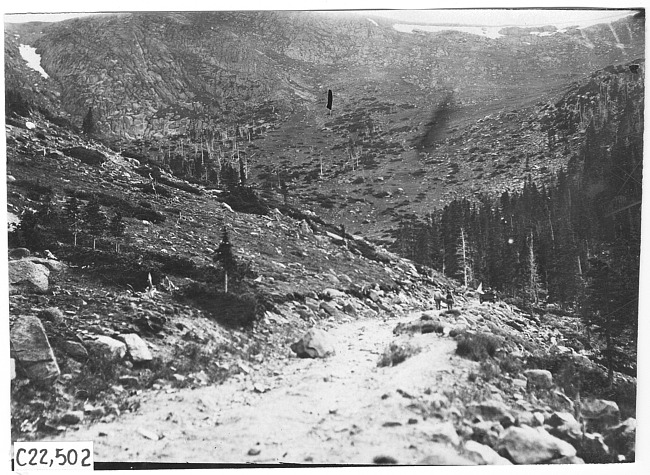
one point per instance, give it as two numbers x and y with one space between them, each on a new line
316 411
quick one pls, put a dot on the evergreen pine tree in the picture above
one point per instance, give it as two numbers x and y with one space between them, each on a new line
611 306
225 257
89 126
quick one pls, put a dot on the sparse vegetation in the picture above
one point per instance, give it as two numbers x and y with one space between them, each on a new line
477 346
398 352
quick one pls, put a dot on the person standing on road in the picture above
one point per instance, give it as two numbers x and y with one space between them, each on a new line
437 296
449 300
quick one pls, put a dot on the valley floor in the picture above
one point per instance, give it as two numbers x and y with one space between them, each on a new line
340 410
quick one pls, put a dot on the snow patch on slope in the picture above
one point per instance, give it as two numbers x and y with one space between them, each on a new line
32 59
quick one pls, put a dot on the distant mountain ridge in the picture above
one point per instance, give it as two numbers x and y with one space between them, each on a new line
152 73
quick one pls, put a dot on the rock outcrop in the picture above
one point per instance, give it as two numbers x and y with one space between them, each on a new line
313 344
32 351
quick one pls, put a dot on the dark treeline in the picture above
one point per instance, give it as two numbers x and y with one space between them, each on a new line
575 242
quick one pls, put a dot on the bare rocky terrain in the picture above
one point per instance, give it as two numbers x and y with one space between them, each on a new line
326 348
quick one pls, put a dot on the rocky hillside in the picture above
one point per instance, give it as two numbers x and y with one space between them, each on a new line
97 335
211 222
406 106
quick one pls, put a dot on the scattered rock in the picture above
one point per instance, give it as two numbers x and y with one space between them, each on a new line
72 417
94 411
558 419
24 274
75 349
483 455
329 309
527 445
491 410
107 347
486 433
19 253
147 434
539 378
391 424
137 348
254 451
444 432
53 265
384 460
313 344
374 295
31 349
333 293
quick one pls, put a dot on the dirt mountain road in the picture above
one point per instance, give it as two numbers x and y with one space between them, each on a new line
343 409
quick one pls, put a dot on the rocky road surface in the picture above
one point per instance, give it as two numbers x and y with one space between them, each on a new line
343 409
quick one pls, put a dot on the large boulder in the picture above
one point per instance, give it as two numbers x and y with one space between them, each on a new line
31 349
333 293
313 344
107 347
621 439
558 419
136 348
599 414
53 265
444 455
483 455
539 378
492 409
564 426
442 432
527 445
486 432
27 275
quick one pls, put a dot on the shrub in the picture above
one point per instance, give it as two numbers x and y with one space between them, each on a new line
143 210
51 314
34 190
97 376
230 309
14 103
245 200
397 353
85 155
511 365
489 370
477 346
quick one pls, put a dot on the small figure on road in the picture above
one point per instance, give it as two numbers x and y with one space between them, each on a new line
449 300
437 296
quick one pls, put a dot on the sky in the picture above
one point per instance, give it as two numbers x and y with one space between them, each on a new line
472 16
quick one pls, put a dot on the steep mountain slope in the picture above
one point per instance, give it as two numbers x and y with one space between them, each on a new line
406 105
